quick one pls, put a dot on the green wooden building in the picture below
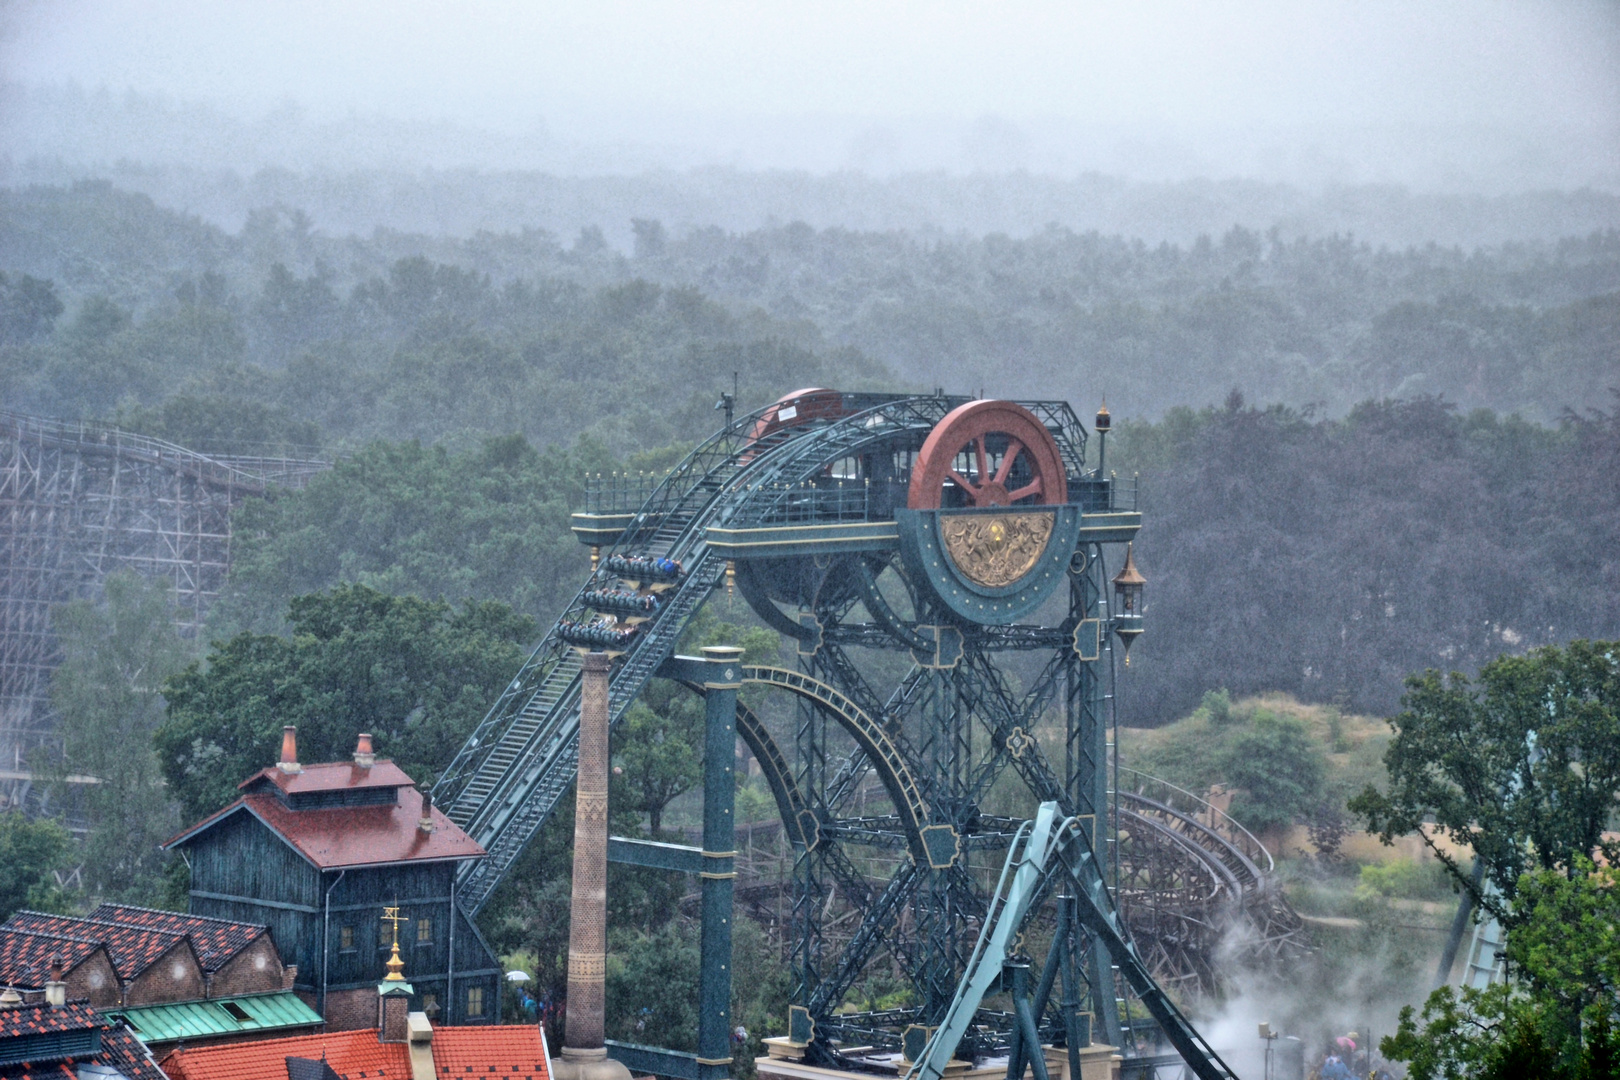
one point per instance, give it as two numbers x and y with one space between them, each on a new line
316 852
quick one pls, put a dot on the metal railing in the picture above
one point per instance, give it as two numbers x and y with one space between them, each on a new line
619 492
1122 492
817 502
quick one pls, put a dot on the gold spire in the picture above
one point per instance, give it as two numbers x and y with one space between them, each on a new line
396 966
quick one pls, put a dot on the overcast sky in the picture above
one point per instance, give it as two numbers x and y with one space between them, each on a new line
1349 73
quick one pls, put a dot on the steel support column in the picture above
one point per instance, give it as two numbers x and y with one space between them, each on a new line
719 852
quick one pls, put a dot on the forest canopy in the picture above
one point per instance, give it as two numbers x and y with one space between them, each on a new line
408 336
1425 478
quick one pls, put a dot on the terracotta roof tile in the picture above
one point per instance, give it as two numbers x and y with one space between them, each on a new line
119 1049
331 776
351 1054
216 940
353 835
513 1051
25 955
133 949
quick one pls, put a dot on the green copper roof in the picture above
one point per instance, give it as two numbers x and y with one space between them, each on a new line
220 1016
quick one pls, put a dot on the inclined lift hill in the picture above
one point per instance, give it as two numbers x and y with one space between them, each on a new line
938 527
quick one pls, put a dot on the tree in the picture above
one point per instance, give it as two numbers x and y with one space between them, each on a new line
1279 768
28 309
1556 1019
404 518
1566 944
30 853
659 745
116 653
416 674
651 980
217 424
1521 764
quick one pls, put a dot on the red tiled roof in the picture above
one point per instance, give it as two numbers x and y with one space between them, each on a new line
353 835
512 1051
132 949
119 1049
25 955
331 776
215 940
353 1055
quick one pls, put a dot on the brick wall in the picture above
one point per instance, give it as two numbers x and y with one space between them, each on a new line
347 1010
255 970
93 978
176 976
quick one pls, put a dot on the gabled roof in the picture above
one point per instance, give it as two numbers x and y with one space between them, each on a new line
514 1049
217 941
351 1054
512 1052
264 1014
132 949
342 837
118 1049
330 776
25 955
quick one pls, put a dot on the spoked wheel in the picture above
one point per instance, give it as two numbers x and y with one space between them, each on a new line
988 453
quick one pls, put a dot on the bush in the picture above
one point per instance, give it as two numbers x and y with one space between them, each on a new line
1404 879
1217 705
1279 768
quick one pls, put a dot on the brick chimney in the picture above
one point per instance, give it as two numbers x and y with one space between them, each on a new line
393 1012
363 755
289 976
426 822
289 751
55 988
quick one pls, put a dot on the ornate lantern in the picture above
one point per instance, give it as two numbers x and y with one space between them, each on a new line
1127 613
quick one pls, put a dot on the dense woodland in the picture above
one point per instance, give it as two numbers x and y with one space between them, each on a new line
1355 462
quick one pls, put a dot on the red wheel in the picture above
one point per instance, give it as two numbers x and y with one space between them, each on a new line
988 453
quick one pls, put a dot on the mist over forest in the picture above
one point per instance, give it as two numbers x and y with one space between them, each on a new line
1360 341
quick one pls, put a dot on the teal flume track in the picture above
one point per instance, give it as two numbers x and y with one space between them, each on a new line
1048 853
760 474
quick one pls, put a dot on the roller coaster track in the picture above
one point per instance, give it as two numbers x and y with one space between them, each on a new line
510 773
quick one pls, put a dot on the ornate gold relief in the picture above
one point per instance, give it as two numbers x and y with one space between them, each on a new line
994 550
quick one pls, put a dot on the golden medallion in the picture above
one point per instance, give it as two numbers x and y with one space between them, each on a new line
996 550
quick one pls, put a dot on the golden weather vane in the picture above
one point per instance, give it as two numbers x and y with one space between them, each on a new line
396 966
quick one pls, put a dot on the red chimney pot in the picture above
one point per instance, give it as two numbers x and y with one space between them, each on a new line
289 751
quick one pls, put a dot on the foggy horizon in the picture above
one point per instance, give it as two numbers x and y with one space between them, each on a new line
1452 98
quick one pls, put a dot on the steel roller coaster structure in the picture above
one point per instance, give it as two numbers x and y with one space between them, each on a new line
969 538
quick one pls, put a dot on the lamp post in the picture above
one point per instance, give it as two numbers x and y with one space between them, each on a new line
1270 1037
1105 423
1127 613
